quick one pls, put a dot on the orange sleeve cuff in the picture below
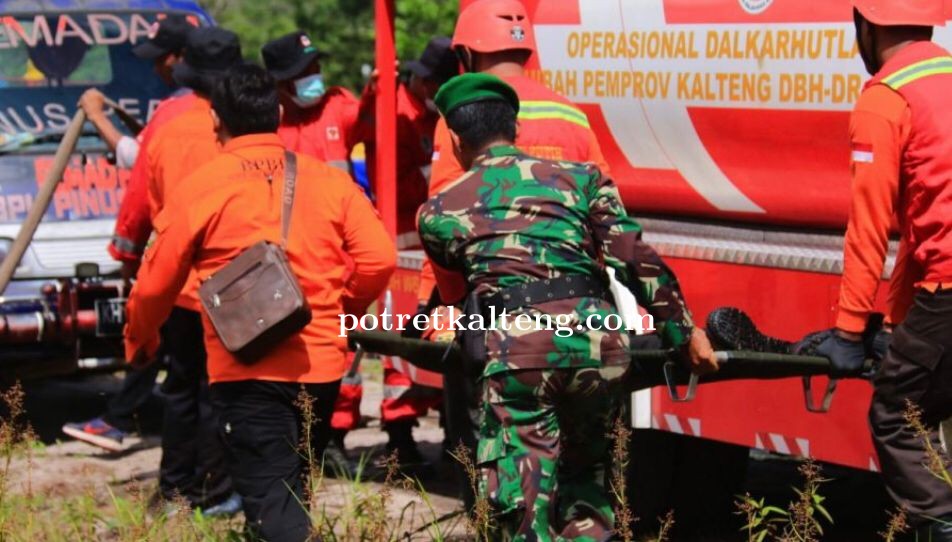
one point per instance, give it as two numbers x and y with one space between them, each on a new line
852 321
132 345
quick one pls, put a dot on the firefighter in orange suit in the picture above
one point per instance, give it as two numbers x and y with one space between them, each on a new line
224 207
133 222
403 402
901 137
192 447
317 120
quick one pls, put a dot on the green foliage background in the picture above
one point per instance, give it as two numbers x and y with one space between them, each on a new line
343 28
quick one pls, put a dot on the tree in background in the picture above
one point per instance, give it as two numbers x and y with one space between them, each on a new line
343 28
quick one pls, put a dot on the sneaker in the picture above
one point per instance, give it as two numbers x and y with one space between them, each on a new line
98 433
228 507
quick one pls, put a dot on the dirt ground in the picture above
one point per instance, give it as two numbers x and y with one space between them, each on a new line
65 467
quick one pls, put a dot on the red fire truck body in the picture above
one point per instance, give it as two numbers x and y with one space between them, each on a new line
725 124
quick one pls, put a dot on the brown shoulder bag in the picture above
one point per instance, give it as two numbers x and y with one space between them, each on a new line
256 302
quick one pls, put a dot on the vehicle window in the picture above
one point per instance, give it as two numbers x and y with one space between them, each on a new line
80 58
48 59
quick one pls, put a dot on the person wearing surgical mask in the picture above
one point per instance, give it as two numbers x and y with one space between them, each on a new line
317 120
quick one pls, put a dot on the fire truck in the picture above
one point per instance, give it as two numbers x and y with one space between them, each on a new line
725 124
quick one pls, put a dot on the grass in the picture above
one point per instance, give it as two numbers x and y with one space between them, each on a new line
343 509
353 508
624 517
801 521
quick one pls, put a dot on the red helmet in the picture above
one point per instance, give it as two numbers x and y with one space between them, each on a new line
488 26
902 13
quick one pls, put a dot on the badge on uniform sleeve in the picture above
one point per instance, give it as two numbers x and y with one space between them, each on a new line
518 34
333 133
862 153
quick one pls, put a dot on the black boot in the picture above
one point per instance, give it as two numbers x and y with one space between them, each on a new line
400 435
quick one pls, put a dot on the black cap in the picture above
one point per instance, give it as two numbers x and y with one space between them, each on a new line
438 61
209 53
165 36
286 57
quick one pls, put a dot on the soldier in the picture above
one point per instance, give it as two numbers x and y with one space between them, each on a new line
496 37
526 236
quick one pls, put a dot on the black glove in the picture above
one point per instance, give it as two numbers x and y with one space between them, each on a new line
881 344
846 356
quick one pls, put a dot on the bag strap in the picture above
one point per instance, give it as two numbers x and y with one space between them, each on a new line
290 180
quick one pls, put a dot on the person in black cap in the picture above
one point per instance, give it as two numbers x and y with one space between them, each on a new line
208 55
317 120
193 455
164 48
180 137
165 44
404 402
437 65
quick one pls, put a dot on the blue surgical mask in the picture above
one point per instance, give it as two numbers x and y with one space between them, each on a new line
308 90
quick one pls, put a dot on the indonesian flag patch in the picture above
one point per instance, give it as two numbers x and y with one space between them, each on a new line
862 153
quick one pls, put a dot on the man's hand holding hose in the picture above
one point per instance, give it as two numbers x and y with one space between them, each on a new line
700 353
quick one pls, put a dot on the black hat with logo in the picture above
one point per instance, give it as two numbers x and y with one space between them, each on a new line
165 36
209 53
286 57
438 61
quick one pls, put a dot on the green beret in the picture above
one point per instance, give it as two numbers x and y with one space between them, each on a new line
471 88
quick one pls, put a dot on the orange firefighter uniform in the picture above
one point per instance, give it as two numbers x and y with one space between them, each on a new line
415 125
179 147
901 137
222 209
134 221
324 129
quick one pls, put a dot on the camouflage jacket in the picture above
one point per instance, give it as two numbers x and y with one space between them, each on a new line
514 218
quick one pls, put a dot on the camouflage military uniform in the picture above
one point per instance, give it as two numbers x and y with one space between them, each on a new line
547 399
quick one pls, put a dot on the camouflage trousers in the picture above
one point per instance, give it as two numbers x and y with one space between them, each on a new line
544 451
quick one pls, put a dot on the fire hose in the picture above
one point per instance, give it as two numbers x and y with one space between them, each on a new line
649 368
